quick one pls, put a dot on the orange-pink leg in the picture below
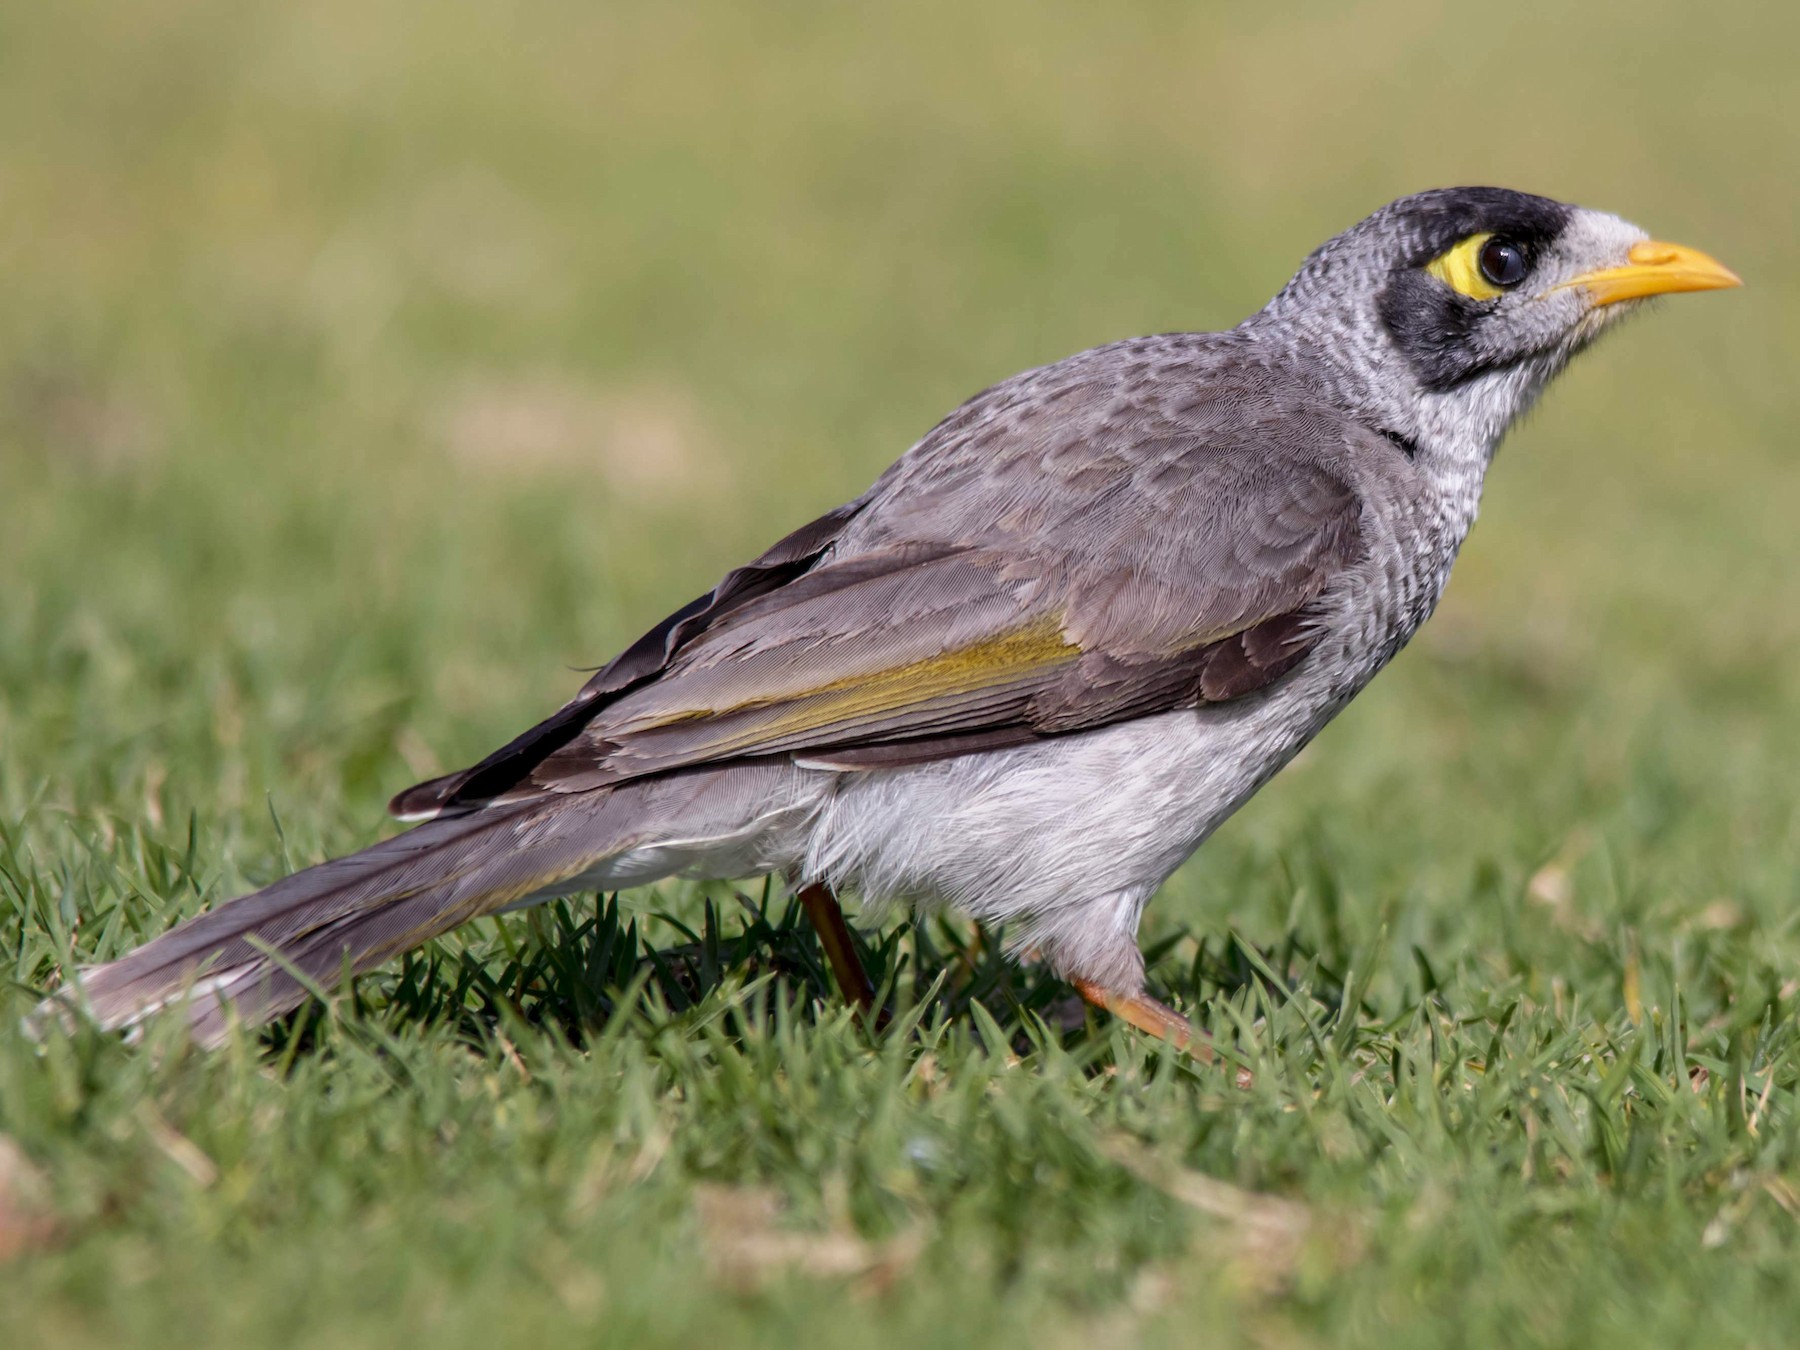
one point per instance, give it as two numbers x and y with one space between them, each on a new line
1139 1010
1146 1014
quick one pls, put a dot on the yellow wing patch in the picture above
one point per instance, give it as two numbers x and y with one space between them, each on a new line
1459 269
858 698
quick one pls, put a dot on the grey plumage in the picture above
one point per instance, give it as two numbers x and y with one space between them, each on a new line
1036 664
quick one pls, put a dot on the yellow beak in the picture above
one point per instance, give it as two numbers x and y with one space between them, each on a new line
1655 268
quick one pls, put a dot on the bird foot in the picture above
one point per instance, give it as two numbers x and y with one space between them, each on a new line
1158 1019
1140 1010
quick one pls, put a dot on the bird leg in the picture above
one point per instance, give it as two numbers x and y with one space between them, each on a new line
834 938
1140 1010
1146 1014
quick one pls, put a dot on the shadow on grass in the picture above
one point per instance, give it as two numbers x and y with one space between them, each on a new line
571 969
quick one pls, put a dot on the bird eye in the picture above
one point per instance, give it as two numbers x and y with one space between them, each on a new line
1503 262
1481 267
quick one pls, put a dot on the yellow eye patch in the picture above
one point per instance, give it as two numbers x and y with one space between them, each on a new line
1460 269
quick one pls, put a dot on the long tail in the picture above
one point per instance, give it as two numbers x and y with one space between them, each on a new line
251 958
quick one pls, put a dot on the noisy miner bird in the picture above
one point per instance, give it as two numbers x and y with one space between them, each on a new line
1034 666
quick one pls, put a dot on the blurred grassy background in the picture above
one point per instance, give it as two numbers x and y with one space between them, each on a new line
365 368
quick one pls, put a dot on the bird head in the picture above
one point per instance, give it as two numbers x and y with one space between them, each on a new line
1446 313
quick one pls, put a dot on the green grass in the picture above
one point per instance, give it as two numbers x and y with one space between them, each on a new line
364 369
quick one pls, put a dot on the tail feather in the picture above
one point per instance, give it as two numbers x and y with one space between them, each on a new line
256 957
359 910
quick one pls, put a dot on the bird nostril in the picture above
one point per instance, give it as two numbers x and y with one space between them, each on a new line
1653 253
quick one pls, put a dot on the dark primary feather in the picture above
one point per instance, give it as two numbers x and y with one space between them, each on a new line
788 558
1137 528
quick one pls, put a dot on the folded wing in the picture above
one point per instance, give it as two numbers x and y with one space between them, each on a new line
1183 573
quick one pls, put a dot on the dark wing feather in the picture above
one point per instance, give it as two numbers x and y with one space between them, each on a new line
787 559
